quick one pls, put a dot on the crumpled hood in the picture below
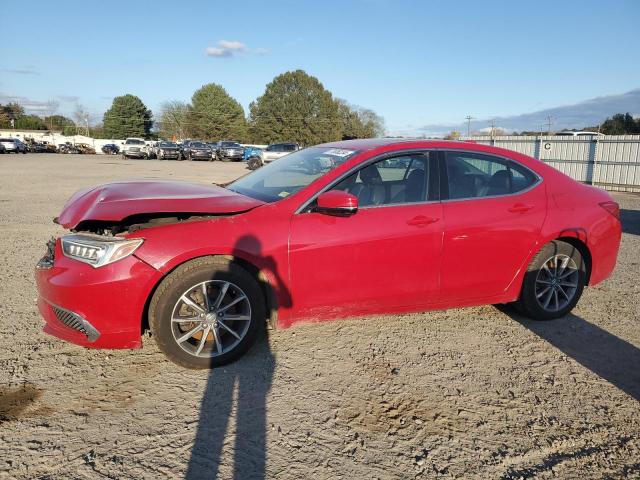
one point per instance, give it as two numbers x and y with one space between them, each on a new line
117 201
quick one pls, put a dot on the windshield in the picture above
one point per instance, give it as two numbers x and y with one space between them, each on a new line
168 144
279 179
197 145
133 141
230 144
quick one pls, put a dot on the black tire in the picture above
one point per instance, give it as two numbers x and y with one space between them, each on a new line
540 276
179 282
253 163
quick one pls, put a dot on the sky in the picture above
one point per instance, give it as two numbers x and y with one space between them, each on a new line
419 64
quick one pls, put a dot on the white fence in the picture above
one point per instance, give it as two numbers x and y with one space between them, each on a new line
56 138
608 161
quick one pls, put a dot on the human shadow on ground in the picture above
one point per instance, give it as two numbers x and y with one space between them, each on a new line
238 391
630 220
608 356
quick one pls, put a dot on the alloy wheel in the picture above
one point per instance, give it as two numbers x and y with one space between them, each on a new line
211 318
557 283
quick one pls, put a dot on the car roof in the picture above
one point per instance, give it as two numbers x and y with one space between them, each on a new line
372 143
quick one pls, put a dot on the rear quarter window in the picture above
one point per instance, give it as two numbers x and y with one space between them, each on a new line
521 178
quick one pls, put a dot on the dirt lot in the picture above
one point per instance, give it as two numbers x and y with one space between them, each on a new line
469 393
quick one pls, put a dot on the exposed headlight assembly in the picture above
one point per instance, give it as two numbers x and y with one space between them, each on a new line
97 250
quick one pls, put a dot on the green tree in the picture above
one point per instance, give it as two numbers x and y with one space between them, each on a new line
215 115
14 109
358 122
127 117
452 135
29 122
620 124
58 122
174 120
295 107
5 119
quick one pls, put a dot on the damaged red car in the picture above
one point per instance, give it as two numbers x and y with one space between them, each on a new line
337 230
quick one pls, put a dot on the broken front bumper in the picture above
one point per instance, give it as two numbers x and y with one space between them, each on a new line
94 307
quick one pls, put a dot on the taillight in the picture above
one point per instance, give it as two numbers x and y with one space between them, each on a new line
612 207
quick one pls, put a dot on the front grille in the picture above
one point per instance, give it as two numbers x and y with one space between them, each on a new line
76 322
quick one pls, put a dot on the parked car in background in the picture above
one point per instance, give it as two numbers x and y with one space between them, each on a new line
213 146
199 151
167 151
229 150
253 157
85 149
36 147
305 239
278 150
110 149
150 149
134 148
68 147
578 134
184 148
13 145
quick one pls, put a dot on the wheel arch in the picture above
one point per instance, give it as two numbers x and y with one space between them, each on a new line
264 282
584 251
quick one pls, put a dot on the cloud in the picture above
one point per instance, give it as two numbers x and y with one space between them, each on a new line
31 106
231 48
69 98
587 113
226 48
20 71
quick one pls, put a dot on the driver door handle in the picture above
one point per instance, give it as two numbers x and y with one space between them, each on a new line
421 221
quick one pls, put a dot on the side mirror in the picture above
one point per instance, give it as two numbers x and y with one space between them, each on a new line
337 203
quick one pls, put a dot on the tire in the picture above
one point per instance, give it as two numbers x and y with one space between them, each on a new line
553 283
253 163
186 282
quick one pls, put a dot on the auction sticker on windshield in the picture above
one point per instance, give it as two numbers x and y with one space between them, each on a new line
339 152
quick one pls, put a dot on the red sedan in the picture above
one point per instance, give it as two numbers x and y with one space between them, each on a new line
338 230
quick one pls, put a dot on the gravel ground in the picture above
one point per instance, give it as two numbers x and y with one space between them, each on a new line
467 393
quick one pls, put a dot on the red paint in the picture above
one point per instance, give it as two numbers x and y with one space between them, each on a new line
394 258
337 200
116 201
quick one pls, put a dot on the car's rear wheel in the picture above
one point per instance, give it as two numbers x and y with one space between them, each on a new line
553 282
206 313
253 163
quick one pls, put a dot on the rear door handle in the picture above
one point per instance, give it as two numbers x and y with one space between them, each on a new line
421 221
520 208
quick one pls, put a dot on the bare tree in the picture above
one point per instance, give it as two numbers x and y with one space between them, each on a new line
174 120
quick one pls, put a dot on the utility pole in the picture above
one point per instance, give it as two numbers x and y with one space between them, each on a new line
86 119
493 126
469 118
549 120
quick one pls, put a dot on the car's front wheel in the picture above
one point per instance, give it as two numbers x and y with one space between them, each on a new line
553 282
206 313
253 163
